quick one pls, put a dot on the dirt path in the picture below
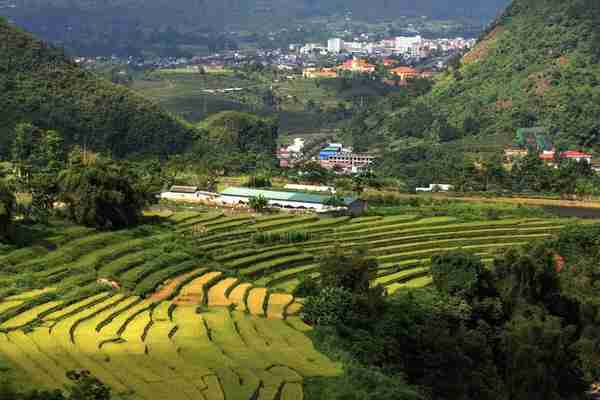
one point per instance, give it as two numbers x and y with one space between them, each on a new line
167 290
515 200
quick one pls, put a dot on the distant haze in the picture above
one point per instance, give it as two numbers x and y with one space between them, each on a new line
127 26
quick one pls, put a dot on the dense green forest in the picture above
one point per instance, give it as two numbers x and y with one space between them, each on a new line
524 329
38 84
536 66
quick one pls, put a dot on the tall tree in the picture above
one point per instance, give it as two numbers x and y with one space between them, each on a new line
7 204
101 195
38 156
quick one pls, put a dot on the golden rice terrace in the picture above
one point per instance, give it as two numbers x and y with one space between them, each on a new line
218 322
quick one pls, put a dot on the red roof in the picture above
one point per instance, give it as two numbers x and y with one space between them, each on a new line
549 155
575 154
357 64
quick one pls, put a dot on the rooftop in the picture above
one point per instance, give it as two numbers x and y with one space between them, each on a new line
283 196
184 189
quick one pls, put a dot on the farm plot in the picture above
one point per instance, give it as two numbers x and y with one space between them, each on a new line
150 350
394 241
221 330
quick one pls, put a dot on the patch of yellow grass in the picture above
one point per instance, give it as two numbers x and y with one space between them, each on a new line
217 294
277 304
256 301
238 295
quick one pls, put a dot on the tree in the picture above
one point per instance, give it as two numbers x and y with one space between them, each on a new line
87 387
527 276
24 143
258 181
457 273
84 387
314 172
352 272
7 204
541 362
530 173
335 201
102 195
258 203
38 156
494 173
242 132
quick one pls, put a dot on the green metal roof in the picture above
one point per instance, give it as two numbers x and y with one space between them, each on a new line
275 195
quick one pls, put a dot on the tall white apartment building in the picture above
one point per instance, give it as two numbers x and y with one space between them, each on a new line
408 45
335 45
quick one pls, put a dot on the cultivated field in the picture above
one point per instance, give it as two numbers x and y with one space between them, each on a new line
215 319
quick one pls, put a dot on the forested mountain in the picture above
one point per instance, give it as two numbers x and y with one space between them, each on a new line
538 65
128 26
38 84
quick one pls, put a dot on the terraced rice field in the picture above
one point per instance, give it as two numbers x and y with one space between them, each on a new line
217 322
403 245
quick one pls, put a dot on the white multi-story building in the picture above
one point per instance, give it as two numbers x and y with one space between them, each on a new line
335 45
408 45
354 47
313 48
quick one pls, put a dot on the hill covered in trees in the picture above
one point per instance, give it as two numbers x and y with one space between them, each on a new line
537 65
38 84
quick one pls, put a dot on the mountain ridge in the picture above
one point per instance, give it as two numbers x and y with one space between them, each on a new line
537 65
39 84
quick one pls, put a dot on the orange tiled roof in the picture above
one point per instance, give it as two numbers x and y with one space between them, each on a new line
404 70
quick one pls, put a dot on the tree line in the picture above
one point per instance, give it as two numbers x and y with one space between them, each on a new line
524 329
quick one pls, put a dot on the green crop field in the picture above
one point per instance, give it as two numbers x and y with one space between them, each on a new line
194 305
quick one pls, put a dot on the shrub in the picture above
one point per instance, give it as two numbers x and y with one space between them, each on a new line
7 204
307 287
258 181
282 237
331 306
258 203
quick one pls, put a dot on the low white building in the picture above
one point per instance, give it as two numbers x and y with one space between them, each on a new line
180 193
290 200
189 193
436 187
310 188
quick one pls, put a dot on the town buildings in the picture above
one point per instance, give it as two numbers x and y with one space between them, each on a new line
335 45
319 73
405 73
549 157
288 155
336 156
357 65
360 66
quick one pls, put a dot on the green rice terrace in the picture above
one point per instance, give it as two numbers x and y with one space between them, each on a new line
199 305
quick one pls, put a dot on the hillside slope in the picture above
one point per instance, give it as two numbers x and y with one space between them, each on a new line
39 84
536 66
